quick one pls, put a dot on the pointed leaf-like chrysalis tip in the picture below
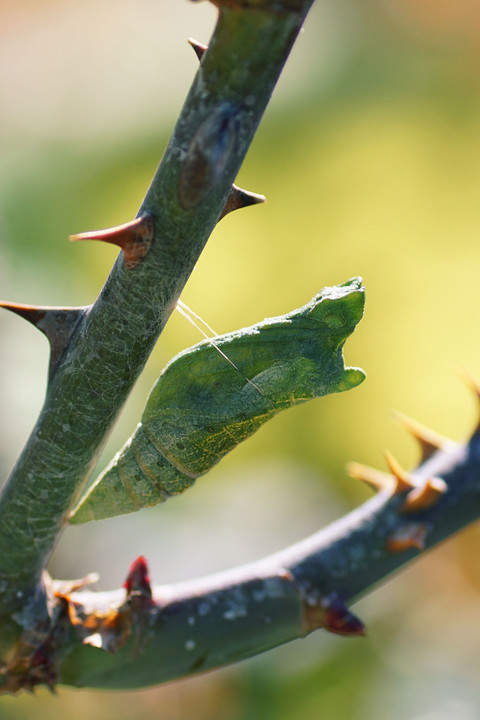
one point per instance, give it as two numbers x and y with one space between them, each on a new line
56 323
198 47
134 238
238 198
429 440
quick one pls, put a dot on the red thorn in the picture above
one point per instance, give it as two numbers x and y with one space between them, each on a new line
134 238
200 48
331 613
238 198
341 621
138 580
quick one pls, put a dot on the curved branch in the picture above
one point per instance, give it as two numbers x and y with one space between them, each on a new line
139 638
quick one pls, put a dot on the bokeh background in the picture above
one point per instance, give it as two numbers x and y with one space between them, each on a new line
369 154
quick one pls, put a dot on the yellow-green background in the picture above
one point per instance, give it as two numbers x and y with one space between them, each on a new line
369 155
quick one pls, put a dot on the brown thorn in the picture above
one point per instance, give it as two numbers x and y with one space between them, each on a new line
408 536
331 613
403 481
375 478
425 496
238 198
343 622
200 48
56 323
134 238
429 440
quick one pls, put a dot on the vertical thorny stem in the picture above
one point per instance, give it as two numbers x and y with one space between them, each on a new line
111 342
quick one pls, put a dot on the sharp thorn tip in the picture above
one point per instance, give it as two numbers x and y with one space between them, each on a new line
403 481
56 323
199 48
429 440
133 238
239 198
371 476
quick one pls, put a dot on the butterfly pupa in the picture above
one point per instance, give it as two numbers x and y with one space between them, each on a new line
203 406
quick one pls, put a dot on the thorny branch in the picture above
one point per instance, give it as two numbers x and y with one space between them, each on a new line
141 636
59 632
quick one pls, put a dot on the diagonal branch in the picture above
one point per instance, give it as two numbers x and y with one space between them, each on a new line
140 638
112 341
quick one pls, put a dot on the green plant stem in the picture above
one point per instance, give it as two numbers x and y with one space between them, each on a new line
221 619
112 343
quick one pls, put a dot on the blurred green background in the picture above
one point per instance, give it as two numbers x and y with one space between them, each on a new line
369 155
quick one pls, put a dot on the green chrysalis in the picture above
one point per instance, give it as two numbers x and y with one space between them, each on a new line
205 402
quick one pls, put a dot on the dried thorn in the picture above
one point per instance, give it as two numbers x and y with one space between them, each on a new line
108 631
56 323
375 478
65 587
408 536
200 48
429 440
238 198
403 480
425 496
134 238
138 580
